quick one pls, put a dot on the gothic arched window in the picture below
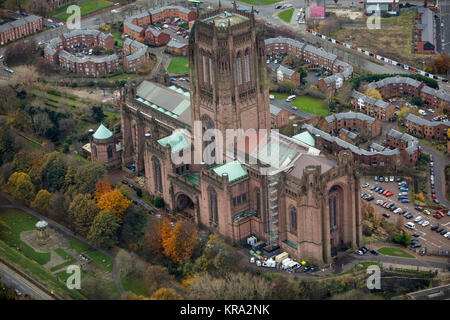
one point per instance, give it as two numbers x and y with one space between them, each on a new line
110 152
213 209
293 218
239 68
157 174
258 200
247 67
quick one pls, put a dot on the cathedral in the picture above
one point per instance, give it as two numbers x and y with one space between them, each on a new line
255 182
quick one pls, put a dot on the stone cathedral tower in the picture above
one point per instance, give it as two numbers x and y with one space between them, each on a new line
228 72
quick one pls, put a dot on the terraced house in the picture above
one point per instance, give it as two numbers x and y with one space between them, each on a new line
376 108
351 121
317 56
20 28
135 55
429 130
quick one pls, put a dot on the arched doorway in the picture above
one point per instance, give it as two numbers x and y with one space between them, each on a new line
335 215
185 206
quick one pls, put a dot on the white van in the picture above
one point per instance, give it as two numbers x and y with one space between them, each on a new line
422 112
410 225
291 98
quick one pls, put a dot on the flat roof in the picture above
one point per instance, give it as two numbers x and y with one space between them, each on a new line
223 19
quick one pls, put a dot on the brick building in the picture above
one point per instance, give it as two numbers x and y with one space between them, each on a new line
279 117
429 130
177 48
317 56
351 121
405 86
58 51
20 28
135 55
55 4
284 73
294 200
408 145
372 107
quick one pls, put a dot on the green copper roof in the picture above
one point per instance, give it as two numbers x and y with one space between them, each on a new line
305 137
234 170
102 133
176 141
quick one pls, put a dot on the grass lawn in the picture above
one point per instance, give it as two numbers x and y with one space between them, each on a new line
252 2
393 40
63 254
86 7
286 15
396 252
305 103
134 285
78 245
20 221
37 271
266 2
101 259
117 38
179 65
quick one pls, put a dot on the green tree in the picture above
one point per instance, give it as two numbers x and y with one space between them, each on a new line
83 211
403 238
41 202
103 230
416 100
22 161
87 176
53 171
21 187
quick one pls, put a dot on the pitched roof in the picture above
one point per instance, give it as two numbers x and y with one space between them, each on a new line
349 115
287 71
366 99
102 133
305 137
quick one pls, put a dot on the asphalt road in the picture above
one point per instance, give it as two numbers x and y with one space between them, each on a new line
15 281
445 25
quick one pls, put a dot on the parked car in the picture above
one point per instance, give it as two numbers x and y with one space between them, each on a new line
410 225
405 201
435 227
365 185
375 178
409 216
391 178
416 235
443 231
427 212
419 209
385 214
375 252
381 179
418 218
425 223
359 252
415 245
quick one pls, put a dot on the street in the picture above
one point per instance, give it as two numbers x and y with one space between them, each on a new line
13 280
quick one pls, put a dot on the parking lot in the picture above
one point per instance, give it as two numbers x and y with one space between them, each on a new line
432 240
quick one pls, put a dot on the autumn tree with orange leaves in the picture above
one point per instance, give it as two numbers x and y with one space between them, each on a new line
180 244
115 202
442 64
103 186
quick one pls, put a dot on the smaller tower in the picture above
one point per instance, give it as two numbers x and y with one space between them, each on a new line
105 147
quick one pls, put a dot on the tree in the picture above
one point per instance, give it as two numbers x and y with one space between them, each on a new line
420 196
166 294
39 7
103 230
234 286
53 171
403 112
21 187
115 202
373 93
416 100
41 202
83 211
403 238
442 63
98 114
103 186
87 176
22 161
180 244
20 52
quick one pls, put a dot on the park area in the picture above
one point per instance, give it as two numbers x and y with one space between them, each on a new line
393 40
286 15
47 261
86 7
395 252
179 65
305 103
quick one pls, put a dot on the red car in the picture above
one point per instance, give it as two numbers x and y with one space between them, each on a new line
440 213
388 194
433 195
384 205
385 192
437 216
387 215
